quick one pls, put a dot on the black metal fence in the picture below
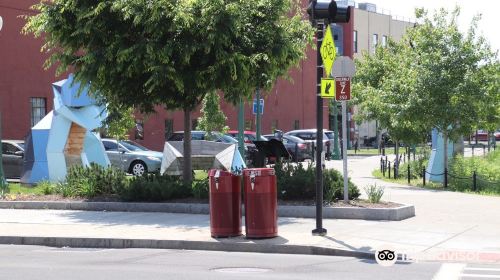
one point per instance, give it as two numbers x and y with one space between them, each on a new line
475 179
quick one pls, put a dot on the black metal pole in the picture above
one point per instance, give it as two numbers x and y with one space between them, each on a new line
423 175
319 230
445 177
408 173
474 181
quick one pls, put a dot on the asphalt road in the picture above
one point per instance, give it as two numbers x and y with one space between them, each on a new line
35 262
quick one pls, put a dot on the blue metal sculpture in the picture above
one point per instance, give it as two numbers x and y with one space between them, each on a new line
64 137
435 168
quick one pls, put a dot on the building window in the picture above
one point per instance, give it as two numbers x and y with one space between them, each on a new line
169 128
194 124
355 41
374 42
38 109
384 41
296 124
139 130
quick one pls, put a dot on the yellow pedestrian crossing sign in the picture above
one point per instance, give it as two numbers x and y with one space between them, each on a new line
328 88
328 50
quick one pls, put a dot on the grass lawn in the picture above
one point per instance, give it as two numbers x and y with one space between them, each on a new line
428 185
16 188
369 151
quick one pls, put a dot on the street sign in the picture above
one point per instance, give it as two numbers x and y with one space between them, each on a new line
327 88
343 67
343 88
328 50
254 107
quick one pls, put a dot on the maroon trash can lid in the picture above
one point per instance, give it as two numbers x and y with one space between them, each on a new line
259 172
222 173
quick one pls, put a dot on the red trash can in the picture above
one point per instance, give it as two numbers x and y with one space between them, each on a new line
225 203
260 197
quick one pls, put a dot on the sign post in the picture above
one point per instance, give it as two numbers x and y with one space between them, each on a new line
258 109
3 182
343 70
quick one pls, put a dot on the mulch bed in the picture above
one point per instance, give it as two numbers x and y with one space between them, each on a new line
115 198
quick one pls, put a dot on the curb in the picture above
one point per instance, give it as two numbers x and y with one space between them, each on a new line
373 214
117 243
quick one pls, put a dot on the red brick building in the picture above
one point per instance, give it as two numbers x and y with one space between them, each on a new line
26 94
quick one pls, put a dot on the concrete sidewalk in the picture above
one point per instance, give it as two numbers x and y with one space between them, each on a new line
444 222
188 231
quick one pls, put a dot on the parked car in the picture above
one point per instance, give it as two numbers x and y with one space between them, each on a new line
12 158
132 157
250 149
203 135
299 149
248 136
309 135
482 135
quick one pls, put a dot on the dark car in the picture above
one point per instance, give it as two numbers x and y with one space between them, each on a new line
299 149
12 158
249 136
202 135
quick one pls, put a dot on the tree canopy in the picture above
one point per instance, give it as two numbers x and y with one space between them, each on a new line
144 53
435 77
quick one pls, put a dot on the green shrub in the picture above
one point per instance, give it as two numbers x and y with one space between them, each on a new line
487 169
333 186
91 181
155 187
47 187
200 188
374 193
298 182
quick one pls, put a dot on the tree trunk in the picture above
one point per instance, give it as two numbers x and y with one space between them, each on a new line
187 176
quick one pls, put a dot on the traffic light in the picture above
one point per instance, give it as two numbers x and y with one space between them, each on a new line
329 11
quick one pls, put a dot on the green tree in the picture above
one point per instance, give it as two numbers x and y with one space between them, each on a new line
449 95
142 53
435 77
489 75
119 122
212 118
383 85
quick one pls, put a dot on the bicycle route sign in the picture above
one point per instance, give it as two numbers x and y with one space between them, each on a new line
328 51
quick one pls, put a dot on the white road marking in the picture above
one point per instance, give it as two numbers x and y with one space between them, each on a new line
481 276
482 269
449 271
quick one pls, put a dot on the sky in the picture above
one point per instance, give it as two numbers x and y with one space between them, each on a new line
489 9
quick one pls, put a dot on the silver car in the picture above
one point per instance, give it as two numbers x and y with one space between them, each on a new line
309 135
132 157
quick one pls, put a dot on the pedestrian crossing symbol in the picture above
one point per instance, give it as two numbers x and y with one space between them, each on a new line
328 88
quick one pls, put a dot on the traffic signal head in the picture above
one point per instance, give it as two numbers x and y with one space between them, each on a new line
329 11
